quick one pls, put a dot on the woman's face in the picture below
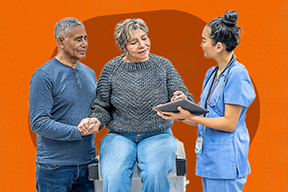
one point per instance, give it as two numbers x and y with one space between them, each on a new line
206 44
138 47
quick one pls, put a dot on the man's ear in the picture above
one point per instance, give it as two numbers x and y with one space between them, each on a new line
59 41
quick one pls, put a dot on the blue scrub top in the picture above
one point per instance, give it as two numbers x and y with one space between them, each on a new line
224 154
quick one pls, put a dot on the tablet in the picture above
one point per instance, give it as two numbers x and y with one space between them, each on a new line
185 104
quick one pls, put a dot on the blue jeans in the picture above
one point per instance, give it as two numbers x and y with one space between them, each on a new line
154 154
63 178
223 185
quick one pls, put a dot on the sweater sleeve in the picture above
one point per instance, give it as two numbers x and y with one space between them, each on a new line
40 106
175 82
101 106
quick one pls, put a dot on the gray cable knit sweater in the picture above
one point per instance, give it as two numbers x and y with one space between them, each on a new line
127 92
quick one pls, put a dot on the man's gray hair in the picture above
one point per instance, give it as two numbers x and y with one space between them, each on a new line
66 25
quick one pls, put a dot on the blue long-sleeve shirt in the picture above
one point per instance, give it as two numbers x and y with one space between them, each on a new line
59 98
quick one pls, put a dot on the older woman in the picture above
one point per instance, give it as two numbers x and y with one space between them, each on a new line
223 139
129 86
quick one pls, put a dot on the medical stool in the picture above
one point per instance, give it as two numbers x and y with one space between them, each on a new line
177 177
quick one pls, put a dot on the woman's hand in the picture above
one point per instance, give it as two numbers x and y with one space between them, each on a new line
89 126
181 115
178 95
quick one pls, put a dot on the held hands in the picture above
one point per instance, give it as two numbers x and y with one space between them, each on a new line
89 126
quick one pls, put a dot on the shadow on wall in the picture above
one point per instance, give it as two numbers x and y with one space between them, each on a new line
176 36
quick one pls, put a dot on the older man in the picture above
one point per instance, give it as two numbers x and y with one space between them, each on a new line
61 92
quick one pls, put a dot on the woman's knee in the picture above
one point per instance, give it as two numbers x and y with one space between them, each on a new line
117 156
116 148
158 148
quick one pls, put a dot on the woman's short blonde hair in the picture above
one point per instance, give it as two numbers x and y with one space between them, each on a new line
124 29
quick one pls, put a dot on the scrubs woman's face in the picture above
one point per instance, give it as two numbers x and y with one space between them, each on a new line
206 44
138 46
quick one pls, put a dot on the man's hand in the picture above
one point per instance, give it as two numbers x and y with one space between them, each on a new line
89 126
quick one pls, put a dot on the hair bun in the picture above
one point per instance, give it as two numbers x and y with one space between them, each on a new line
230 18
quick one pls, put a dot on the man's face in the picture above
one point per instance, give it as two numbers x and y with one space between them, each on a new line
75 43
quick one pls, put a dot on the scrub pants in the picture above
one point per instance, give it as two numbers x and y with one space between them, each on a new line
154 153
223 185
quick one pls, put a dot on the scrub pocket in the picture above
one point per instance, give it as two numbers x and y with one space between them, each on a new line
219 160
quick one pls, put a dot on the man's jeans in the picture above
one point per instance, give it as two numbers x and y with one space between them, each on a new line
154 153
63 178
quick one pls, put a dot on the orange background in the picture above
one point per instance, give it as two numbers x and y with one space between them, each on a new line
27 42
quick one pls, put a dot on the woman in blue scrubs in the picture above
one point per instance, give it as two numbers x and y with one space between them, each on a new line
223 139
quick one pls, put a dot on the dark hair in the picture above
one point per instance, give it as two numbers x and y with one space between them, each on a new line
225 30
